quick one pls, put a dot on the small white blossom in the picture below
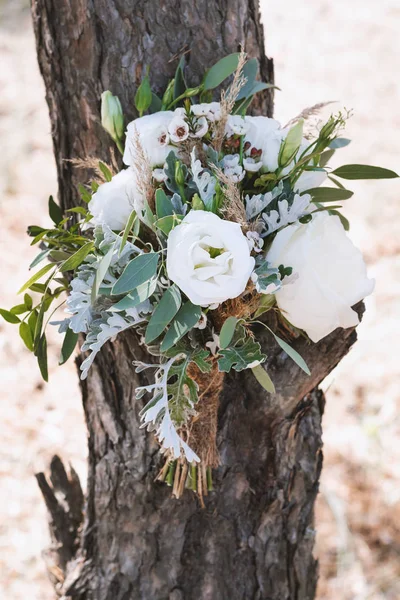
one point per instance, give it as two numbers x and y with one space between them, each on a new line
214 344
178 129
202 322
236 125
212 111
201 127
251 165
232 168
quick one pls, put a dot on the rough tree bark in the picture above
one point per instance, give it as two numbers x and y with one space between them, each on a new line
255 537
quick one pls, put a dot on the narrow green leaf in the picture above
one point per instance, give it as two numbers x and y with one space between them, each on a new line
295 356
105 170
139 270
263 378
186 318
143 96
69 344
220 71
76 259
35 277
326 194
336 182
326 157
41 256
163 314
342 218
85 194
249 72
363 172
101 272
20 309
9 316
227 331
55 211
291 144
32 320
266 303
137 296
156 103
25 334
41 354
127 230
179 83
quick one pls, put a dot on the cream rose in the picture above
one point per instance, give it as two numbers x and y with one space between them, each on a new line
331 275
114 201
208 258
154 137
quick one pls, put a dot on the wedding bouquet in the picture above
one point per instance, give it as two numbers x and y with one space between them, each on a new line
216 218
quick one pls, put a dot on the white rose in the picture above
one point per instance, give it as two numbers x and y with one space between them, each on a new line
154 137
208 258
332 275
114 201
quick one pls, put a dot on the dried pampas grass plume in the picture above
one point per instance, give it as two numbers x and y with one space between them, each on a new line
228 99
234 209
141 165
309 112
91 163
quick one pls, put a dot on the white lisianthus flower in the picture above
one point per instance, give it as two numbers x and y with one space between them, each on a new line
309 180
332 275
114 201
178 129
153 135
208 258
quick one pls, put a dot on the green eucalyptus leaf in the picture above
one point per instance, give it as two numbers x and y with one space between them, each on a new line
263 378
179 83
76 259
363 172
227 331
163 314
139 270
163 204
220 71
295 356
69 344
342 218
41 354
132 220
156 103
325 157
166 224
35 277
186 318
137 296
339 143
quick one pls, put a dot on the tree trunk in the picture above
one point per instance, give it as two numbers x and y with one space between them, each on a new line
255 537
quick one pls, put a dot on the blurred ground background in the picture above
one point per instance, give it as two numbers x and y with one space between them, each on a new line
323 50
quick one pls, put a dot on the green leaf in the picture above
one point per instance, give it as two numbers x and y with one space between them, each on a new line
41 354
137 296
106 172
156 103
263 379
179 83
101 272
139 270
69 344
227 331
326 194
339 143
220 71
240 356
28 301
342 218
55 211
85 194
35 277
325 157
295 356
41 256
249 72
187 316
163 314
131 221
291 144
76 259
9 316
25 334
20 309
266 303
363 172
163 204
166 224
143 96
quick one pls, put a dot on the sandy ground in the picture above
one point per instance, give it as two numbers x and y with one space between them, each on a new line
323 50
